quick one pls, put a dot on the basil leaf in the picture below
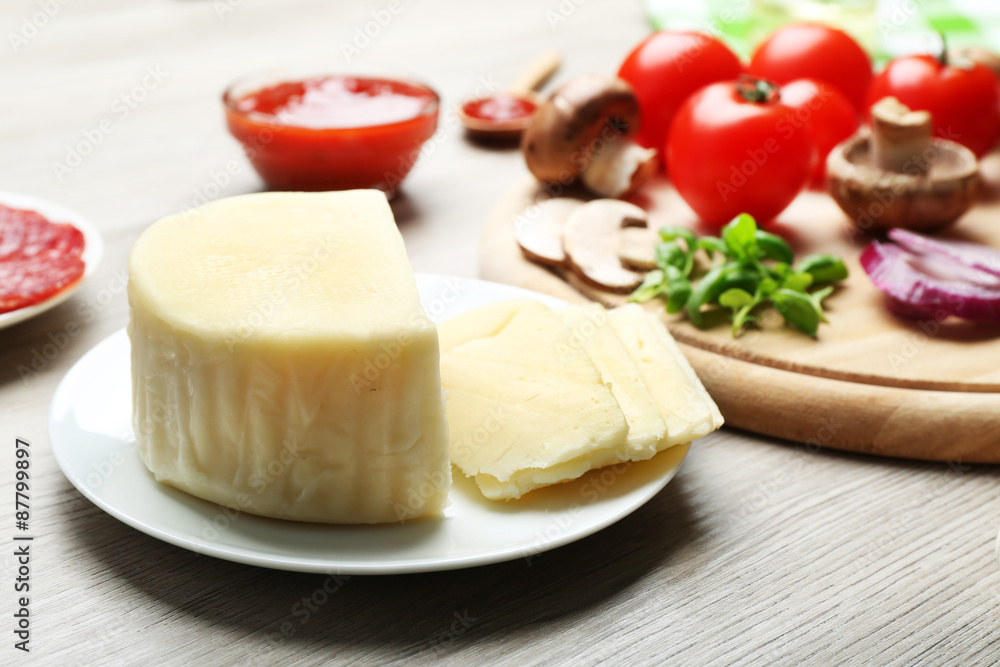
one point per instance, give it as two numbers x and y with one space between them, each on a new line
817 299
671 233
738 277
735 298
779 271
703 293
740 301
652 285
670 254
741 318
798 309
756 268
823 268
678 295
774 247
766 288
821 294
712 244
798 282
740 237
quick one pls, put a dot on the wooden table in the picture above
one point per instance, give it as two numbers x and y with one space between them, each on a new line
759 552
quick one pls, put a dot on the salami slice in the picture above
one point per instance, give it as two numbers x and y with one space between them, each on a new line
38 258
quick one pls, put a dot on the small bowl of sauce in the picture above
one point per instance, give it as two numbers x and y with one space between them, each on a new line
331 131
504 116
501 117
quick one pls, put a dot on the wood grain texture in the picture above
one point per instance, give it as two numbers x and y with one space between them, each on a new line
863 341
899 387
758 553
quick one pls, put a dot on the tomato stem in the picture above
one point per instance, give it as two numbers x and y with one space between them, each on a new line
758 91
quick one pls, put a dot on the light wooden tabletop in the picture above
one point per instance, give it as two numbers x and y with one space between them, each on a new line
759 552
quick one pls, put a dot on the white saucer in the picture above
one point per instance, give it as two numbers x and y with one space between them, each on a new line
91 435
92 251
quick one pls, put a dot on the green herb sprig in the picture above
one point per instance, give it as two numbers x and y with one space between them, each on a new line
748 270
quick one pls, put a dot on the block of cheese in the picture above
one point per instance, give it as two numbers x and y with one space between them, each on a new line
688 410
281 362
592 330
526 406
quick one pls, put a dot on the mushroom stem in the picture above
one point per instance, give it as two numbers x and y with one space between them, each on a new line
637 248
619 169
584 131
900 137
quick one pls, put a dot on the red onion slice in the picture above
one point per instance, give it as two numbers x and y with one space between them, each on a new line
932 284
909 311
976 255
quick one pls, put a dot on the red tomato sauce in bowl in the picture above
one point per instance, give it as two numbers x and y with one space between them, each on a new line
332 132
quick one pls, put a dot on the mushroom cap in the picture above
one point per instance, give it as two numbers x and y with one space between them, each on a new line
591 241
976 54
875 198
578 119
539 229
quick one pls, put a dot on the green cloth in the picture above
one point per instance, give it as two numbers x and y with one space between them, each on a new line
887 28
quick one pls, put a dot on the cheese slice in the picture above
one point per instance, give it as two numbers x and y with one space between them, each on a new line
686 407
526 406
594 333
482 322
281 362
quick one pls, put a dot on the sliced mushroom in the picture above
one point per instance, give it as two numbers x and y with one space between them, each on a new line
584 130
591 242
539 229
637 248
595 293
900 176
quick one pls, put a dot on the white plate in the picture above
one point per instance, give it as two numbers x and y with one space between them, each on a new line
91 434
92 251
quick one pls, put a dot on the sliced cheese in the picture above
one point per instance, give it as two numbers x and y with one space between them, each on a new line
688 410
594 333
526 406
281 362
481 322
532 337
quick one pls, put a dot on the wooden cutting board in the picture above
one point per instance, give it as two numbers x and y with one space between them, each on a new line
870 382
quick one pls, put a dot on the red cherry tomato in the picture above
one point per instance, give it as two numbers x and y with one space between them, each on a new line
964 100
732 149
815 51
826 114
666 68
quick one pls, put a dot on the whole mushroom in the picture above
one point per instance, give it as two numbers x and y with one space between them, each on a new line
976 54
584 131
901 176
